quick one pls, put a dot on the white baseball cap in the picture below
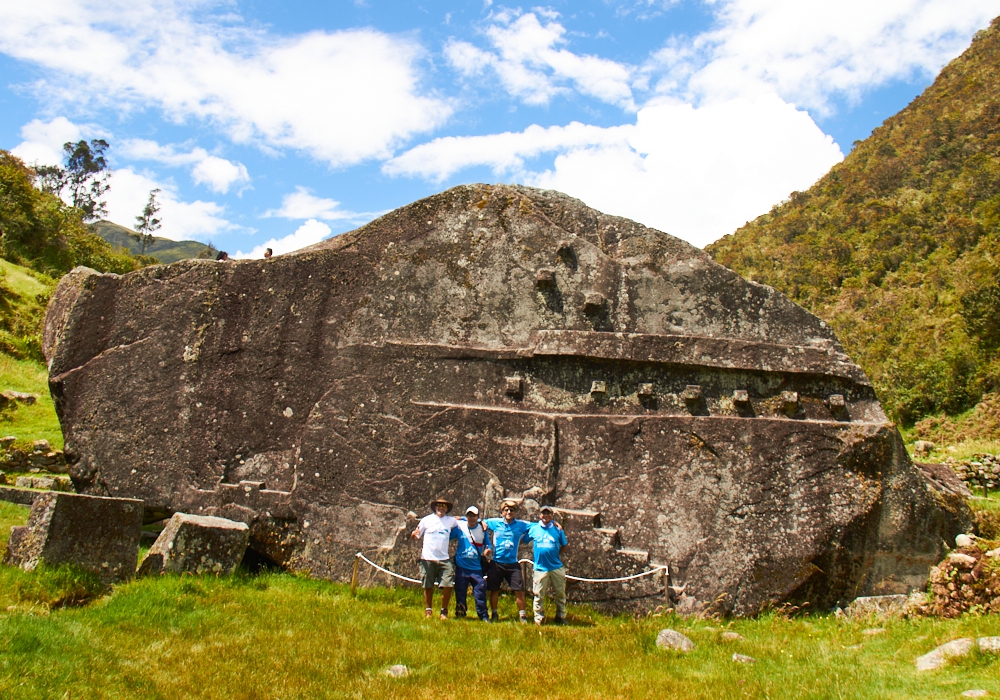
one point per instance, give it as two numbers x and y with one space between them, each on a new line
473 510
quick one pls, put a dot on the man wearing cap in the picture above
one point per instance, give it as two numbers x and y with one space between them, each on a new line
473 545
435 563
507 535
547 542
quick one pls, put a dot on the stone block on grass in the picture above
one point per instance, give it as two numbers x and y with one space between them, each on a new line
197 544
94 533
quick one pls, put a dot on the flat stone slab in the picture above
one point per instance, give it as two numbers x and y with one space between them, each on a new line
939 657
877 606
197 544
22 497
96 533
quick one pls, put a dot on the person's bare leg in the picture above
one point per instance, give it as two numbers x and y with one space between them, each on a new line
445 597
519 597
494 601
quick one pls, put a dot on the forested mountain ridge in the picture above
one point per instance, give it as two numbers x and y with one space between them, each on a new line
898 246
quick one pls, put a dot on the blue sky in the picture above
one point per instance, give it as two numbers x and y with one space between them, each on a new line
280 123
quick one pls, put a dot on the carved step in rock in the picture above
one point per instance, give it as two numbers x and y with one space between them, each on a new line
93 532
197 544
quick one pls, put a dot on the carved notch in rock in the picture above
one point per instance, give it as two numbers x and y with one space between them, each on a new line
355 380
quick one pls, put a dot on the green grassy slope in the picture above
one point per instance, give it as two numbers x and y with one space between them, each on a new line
23 296
163 249
282 636
898 247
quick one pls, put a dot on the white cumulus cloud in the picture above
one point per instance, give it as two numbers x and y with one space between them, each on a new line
808 52
303 204
43 141
505 153
697 173
218 174
181 220
528 60
342 96
312 231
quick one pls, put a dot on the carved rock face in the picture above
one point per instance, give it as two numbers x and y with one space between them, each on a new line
490 342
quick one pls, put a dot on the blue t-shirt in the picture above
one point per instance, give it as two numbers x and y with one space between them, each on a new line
468 554
546 543
506 538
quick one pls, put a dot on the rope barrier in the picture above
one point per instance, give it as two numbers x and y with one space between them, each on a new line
368 561
655 570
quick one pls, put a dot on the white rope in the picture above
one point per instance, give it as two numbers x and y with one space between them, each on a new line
361 556
655 570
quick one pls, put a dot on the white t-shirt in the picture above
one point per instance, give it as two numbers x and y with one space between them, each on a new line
436 533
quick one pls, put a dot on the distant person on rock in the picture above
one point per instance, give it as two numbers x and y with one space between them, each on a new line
435 562
507 535
223 256
268 253
548 541
473 546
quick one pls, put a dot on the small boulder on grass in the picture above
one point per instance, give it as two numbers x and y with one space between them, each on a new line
669 639
197 544
939 657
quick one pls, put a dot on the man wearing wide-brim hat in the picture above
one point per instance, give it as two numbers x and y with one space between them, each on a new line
435 563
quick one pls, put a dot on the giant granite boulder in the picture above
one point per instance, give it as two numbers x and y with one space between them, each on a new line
496 341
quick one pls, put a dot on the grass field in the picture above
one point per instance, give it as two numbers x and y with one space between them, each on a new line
277 635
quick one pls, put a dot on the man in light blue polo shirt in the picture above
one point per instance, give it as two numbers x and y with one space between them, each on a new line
547 542
508 532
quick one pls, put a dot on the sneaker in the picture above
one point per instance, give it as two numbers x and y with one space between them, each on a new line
496 617
444 614
538 621
561 621
428 613
484 619
524 619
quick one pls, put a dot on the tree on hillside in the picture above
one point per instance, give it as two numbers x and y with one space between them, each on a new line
85 175
38 230
147 222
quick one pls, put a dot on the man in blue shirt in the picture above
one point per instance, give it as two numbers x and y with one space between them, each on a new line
507 535
547 542
473 545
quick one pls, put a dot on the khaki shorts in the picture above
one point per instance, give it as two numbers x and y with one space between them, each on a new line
441 572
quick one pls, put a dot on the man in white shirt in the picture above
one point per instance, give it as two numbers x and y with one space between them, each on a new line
435 563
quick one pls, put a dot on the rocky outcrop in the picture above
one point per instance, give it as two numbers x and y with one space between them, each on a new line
98 534
491 342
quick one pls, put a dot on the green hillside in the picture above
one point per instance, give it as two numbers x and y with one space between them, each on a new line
163 249
898 246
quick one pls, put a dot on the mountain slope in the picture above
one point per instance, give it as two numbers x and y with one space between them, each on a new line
898 246
163 249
